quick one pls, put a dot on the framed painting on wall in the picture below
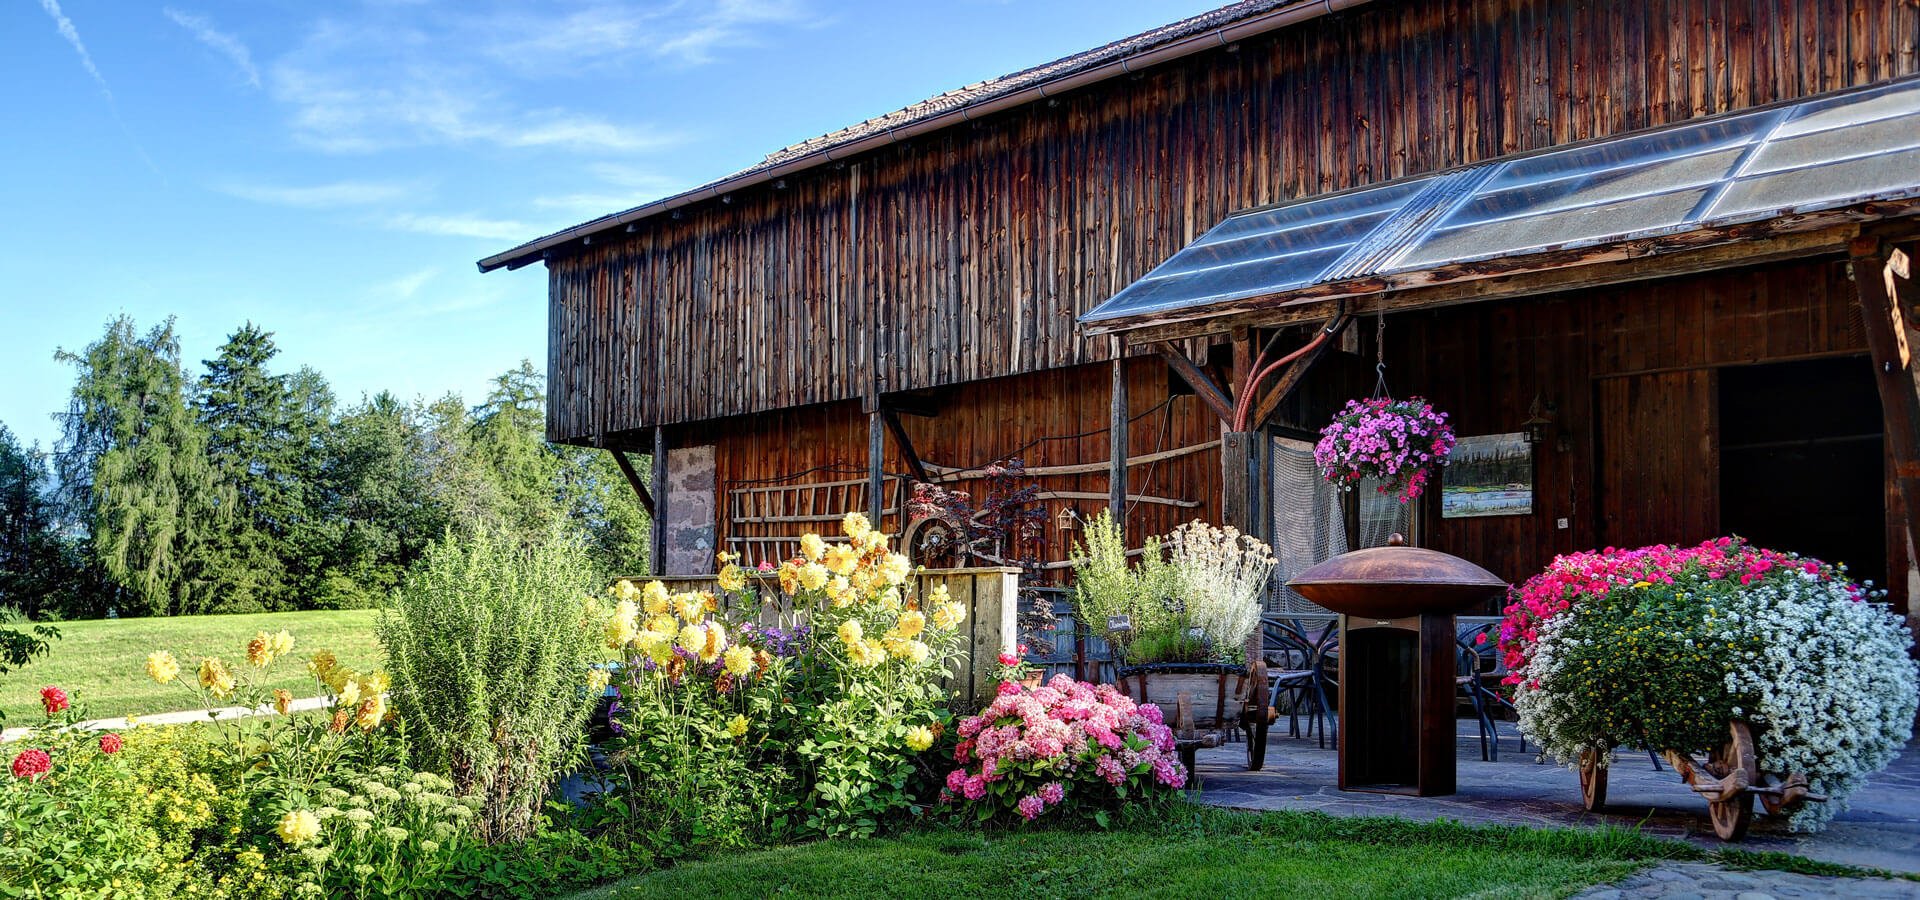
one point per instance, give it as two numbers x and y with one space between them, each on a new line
1488 475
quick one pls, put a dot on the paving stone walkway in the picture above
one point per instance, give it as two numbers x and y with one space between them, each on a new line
1880 831
171 718
1701 881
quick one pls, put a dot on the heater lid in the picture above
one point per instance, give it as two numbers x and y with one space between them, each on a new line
1396 581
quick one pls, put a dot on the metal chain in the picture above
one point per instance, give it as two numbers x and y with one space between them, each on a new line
1380 357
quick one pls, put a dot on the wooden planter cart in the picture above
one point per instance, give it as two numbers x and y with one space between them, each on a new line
1728 780
1200 701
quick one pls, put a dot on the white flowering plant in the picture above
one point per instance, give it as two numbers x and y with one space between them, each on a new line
1223 576
1661 647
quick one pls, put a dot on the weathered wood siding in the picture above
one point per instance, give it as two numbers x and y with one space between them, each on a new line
1485 364
1051 419
968 254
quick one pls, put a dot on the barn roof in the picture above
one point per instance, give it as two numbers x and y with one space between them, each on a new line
1689 185
1215 28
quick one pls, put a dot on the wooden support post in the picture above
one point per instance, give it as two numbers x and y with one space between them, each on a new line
633 478
1117 424
876 465
657 529
1241 503
914 465
1204 387
1886 328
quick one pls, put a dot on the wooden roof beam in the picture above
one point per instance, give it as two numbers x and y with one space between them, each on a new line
1209 391
1290 379
1882 278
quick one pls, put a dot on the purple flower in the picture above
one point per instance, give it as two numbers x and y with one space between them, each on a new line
1031 806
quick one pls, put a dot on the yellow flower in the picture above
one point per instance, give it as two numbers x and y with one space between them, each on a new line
376 683
896 568
918 651
322 664
850 632
162 667
939 594
664 625
689 607
872 540
947 616
655 645
813 576
895 645
733 578
890 599
789 577
299 826
215 677
841 593
372 710
739 659
737 726
624 589
868 653
654 598
716 642
281 642
349 694
282 701
727 556
1643 584
911 623
811 546
842 559
919 738
692 638
856 525
260 651
622 626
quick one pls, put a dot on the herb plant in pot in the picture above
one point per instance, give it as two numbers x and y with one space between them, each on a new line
1180 618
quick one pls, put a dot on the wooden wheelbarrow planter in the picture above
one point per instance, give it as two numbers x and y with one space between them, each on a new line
1728 780
1199 701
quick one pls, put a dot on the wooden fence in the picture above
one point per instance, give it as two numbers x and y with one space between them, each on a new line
990 595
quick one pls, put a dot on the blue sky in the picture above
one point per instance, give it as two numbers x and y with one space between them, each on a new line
332 170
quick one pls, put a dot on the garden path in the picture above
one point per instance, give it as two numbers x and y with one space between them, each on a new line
1704 881
1881 830
170 718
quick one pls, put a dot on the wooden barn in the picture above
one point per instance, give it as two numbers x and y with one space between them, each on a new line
1652 258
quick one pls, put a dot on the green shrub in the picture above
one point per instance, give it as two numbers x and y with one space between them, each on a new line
489 643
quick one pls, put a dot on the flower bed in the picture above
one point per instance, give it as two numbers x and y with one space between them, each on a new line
1067 749
1394 441
1661 646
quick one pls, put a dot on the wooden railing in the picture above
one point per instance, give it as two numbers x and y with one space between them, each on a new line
990 595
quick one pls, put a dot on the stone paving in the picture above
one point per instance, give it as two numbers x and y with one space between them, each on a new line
1881 830
1700 881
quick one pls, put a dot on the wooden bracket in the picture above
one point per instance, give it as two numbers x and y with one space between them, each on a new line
1290 379
633 478
1209 391
1874 279
914 465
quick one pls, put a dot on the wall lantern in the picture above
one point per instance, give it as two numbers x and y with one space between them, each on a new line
1539 424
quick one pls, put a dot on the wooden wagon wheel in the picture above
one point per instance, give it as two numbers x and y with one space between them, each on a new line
1256 715
1737 766
1593 781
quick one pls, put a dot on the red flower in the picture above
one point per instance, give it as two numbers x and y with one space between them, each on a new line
54 699
111 743
32 764
1023 649
1008 659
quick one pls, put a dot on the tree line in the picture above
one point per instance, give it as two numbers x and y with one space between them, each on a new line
243 489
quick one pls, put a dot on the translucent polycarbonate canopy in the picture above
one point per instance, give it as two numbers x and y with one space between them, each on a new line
1823 153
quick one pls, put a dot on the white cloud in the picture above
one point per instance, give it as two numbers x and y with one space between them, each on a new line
72 34
688 33
462 226
322 196
220 42
406 286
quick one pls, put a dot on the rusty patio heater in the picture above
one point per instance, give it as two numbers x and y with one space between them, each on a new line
1396 606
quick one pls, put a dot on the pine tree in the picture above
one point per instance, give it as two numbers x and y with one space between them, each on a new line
133 467
39 571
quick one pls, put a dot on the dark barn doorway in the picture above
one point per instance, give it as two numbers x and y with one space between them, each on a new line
1802 461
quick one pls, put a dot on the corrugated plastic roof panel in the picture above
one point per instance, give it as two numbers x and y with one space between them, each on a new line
1823 153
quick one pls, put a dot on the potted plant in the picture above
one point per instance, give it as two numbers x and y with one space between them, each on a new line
1777 665
1396 442
1179 619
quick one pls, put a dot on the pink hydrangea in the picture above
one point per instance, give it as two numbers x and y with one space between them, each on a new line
1031 806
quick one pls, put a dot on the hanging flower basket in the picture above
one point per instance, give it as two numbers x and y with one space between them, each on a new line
1395 441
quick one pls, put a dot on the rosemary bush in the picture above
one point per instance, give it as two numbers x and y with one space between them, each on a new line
489 643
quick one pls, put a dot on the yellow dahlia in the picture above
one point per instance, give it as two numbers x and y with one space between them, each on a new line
299 826
911 623
811 546
855 524
896 568
162 667
737 726
842 559
739 659
215 677
919 738
654 598
850 632
259 651
733 578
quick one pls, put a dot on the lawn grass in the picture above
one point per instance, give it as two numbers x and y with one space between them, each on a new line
1193 853
101 662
